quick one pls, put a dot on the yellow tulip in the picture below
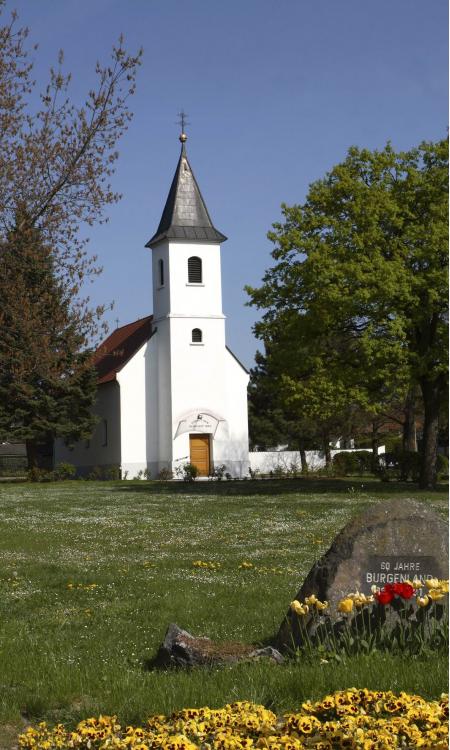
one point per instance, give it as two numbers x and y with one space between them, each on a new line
436 595
422 601
311 599
299 609
443 585
321 605
345 605
416 584
432 583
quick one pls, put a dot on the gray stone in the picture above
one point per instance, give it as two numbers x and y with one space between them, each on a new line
182 649
390 542
269 652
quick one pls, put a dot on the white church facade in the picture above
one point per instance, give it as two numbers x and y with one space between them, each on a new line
170 392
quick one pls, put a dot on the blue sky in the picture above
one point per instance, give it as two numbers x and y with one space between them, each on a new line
276 92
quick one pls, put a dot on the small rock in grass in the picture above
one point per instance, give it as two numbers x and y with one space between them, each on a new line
182 649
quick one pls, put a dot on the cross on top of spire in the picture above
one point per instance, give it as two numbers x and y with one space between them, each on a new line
182 122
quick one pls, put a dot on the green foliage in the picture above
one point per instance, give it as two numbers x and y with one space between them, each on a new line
442 466
165 474
47 380
190 472
356 304
64 470
219 472
35 474
104 473
56 162
400 465
345 464
366 462
402 628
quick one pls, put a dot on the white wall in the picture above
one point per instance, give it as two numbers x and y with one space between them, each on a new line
266 461
186 378
177 296
87 454
233 452
133 431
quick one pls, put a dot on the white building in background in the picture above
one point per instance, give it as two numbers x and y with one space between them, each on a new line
170 391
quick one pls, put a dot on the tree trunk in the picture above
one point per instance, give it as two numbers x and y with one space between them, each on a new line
375 442
303 459
326 449
409 424
431 402
32 454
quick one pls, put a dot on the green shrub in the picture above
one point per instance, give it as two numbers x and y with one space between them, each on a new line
165 474
190 472
104 473
400 465
392 443
95 474
64 471
40 475
409 463
219 472
344 464
367 462
112 473
442 466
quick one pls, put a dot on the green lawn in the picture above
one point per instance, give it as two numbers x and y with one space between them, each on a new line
69 648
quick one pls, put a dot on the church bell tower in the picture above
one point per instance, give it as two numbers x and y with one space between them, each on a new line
188 368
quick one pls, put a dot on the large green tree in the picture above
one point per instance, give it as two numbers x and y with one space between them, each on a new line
356 302
57 158
47 381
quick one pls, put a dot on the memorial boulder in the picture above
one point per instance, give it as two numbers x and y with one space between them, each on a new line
389 543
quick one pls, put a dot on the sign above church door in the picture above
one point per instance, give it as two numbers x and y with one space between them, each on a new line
198 422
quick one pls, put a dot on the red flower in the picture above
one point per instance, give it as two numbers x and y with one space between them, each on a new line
385 596
405 590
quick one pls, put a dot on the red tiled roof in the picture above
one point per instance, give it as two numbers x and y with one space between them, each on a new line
120 346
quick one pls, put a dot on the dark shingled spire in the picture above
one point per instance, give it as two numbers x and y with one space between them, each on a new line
185 216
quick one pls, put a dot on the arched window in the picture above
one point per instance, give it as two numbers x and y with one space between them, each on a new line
161 272
197 336
194 270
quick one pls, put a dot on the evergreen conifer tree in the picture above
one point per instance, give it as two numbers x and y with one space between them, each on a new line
47 380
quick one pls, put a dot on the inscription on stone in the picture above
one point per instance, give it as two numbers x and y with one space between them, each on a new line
389 542
383 569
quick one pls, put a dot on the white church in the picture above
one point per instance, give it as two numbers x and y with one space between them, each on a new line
170 392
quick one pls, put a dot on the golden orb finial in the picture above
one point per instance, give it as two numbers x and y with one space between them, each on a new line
182 137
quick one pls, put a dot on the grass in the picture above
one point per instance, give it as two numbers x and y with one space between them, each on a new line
92 574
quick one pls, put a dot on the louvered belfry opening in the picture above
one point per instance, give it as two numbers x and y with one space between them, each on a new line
196 336
194 270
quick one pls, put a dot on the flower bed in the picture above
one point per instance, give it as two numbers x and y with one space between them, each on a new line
390 618
359 719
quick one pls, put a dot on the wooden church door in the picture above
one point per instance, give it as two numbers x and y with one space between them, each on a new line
200 453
